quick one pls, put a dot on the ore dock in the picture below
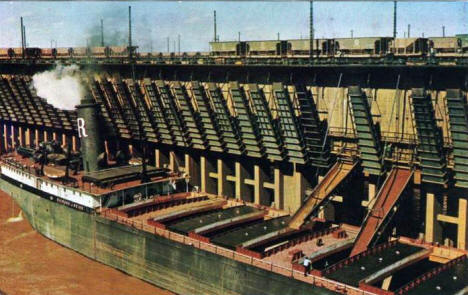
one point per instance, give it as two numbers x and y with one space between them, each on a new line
223 172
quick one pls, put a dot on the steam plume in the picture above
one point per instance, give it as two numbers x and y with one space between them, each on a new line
61 87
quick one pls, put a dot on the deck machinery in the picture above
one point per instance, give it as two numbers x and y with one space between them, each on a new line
291 142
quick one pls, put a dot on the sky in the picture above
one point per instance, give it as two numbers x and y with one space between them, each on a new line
75 23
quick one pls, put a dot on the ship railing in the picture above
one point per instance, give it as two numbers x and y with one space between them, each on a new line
260 263
20 168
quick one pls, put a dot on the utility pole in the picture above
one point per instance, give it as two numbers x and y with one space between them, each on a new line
443 31
130 49
311 31
25 40
352 36
168 50
409 30
278 36
22 37
394 19
215 32
238 36
178 43
102 32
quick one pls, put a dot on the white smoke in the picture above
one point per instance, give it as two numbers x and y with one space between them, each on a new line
61 87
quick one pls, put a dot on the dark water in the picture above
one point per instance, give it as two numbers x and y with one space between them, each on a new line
31 264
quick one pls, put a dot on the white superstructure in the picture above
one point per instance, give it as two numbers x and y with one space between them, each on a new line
57 190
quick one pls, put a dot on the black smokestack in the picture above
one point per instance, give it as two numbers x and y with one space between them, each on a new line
89 133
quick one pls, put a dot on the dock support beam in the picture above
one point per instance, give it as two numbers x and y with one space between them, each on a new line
433 228
74 143
220 176
293 191
239 174
3 145
208 185
20 136
160 159
36 137
13 135
28 137
462 235
257 181
371 191
192 168
277 187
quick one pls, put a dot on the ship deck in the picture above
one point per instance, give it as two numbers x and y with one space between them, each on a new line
353 273
76 181
447 282
198 222
217 225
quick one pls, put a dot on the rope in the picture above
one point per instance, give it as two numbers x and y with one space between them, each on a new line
331 113
385 143
329 121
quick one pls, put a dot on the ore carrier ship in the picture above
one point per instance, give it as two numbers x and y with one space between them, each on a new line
153 224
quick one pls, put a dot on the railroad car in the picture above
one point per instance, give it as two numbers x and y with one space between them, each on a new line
445 45
4 53
118 51
64 52
364 47
410 46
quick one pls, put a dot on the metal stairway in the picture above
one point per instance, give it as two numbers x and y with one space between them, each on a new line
385 200
368 136
457 113
430 142
322 191
318 151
